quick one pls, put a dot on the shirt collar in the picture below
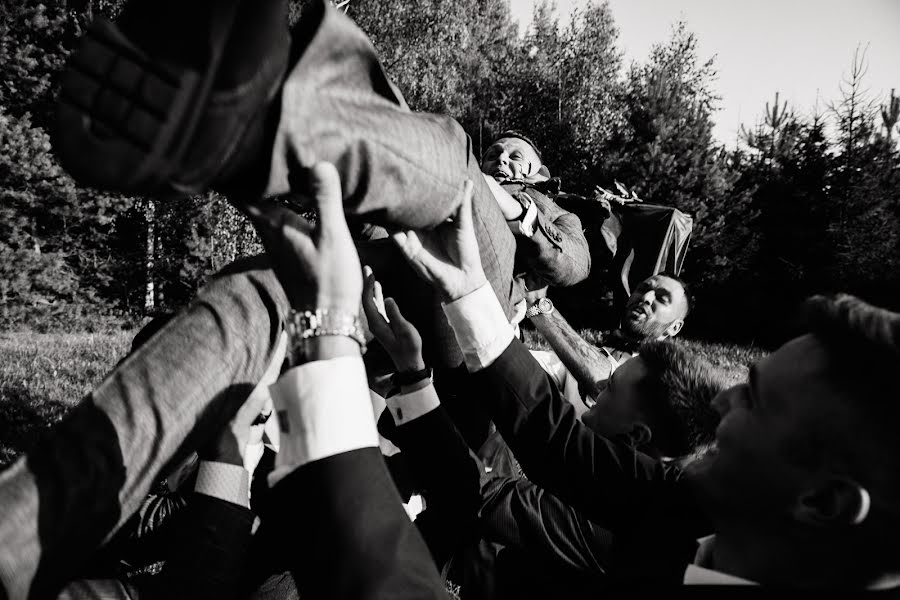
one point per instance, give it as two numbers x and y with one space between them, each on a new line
699 572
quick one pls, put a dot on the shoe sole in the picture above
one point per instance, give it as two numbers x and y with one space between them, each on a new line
125 122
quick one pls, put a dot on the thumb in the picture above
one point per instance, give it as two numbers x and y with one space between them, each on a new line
393 312
325 186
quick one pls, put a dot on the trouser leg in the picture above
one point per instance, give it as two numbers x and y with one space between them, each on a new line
88 476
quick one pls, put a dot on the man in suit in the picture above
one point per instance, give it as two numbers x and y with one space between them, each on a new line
800 491
351 538
550 245
658 404
213 106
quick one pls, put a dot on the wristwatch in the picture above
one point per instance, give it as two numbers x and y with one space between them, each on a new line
544 306
303 326
406 378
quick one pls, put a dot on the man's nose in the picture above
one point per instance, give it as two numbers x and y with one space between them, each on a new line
504 158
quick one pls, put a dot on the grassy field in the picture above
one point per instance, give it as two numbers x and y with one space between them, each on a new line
43 375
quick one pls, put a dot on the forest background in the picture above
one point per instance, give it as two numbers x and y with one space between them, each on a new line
806 202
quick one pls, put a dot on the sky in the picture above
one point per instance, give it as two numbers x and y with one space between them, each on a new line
800 48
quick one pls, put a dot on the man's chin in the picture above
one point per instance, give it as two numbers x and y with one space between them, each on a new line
698 466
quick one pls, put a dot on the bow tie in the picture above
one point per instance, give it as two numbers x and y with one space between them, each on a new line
617 341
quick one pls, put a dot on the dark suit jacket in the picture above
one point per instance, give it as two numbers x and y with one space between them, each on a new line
207 559
553 548
342 532
446 474
651 512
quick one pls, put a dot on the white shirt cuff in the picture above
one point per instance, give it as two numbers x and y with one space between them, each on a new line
412 405
224 481
527 221
323 409
480 325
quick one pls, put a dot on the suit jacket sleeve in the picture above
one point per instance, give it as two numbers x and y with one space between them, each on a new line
609 482
447 474
210 551
517 513
342 522
557 254
206 560
510 511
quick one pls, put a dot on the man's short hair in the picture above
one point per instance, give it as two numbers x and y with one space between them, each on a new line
688 299
863 347
678 391
511 133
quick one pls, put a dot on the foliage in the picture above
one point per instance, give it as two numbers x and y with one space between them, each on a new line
805 203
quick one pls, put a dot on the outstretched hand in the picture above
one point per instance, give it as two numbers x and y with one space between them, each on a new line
399 337
318 267
447 257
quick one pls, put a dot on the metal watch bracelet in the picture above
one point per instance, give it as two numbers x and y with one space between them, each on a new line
303 325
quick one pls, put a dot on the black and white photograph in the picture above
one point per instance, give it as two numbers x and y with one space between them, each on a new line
448 299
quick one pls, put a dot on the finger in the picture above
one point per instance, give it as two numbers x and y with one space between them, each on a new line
325 186
369 284
271 215
300 244
377 323
464 214
261 217
409 244
379 300
397 319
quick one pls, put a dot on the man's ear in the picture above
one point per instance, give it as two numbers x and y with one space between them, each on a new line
640 434
673 328
837 501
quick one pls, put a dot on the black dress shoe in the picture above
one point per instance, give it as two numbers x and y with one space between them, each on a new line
167 100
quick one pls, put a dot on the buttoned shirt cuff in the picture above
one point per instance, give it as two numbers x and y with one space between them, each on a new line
224 481
480 326
408 406
323 409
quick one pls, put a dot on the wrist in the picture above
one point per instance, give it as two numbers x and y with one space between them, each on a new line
473 281
412 379
409 365
228 455
543 307
324 347
324 333
511 208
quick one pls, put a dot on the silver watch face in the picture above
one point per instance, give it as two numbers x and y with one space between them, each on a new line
545 305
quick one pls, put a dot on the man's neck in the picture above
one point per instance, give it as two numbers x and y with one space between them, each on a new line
783 562
617 337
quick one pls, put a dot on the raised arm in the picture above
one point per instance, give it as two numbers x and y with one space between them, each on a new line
554 447
554 246
517 512
589 365
333 505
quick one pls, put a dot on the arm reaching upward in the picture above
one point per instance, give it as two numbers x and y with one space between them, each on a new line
587 363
